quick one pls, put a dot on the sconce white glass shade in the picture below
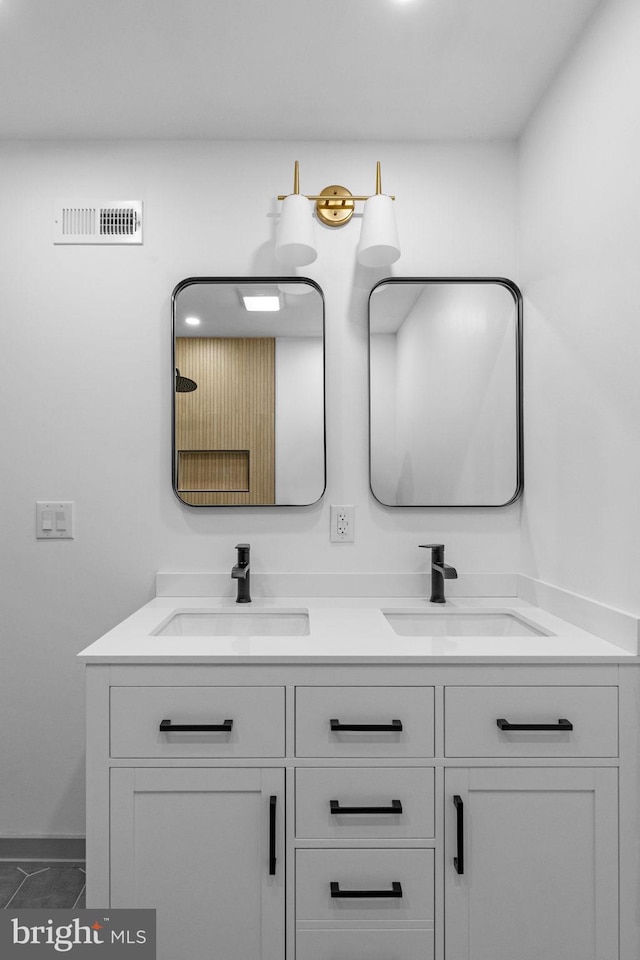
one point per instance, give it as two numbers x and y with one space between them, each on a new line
379 244
295 236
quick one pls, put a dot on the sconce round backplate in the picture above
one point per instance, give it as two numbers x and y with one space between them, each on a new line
338 207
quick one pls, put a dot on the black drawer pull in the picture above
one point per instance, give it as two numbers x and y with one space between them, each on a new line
337 893
394 727
167 727
272 835
561 725
458 861
396 807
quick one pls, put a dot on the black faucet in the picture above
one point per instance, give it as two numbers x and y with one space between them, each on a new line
240 572
440 571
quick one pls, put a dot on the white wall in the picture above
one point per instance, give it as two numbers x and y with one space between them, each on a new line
300 471
85 393
383 360
580 250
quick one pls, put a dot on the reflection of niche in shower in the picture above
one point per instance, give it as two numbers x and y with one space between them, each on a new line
213 471
225 430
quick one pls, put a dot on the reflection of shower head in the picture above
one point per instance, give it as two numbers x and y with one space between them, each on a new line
184 384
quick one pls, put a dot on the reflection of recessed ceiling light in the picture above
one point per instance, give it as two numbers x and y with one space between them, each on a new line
265 304
192 321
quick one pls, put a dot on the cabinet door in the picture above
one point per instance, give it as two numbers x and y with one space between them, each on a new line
198 846
539 851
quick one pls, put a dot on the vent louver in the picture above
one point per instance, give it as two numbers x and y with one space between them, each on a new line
99 221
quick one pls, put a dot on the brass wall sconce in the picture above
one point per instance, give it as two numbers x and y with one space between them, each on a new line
335 205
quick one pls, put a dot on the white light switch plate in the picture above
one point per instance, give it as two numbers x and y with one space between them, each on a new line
54 520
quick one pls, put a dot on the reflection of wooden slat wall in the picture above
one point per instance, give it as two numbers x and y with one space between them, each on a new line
232 409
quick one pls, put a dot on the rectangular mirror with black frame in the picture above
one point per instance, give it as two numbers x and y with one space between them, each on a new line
445 392
248 391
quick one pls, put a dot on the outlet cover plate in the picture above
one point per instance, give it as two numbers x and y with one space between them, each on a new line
342 523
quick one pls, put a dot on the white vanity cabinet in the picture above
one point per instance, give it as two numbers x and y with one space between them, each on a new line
186 809
400 819
531 852
531 863
201 847
366 887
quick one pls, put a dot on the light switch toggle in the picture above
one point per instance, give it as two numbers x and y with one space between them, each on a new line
54 520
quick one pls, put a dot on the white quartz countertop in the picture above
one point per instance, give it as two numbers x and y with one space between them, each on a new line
347 630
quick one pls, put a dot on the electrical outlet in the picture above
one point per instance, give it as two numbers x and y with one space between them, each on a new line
342 524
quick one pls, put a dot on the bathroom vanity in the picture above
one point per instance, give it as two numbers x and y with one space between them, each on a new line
359 785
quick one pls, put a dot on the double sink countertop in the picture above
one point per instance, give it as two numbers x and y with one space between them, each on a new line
346 630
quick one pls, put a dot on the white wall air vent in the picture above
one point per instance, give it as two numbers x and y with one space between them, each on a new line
97 221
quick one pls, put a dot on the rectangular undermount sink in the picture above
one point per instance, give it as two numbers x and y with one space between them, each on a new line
235 623
458 624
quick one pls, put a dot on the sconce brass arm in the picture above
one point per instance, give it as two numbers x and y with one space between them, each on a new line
335 204
323 196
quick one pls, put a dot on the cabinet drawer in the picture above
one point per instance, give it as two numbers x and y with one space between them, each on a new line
371 871
256 715
472 730
364 944
397 721
372 802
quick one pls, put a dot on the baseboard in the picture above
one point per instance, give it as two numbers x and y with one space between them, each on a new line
42 848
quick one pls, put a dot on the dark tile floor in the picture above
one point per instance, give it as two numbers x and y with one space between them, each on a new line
58 884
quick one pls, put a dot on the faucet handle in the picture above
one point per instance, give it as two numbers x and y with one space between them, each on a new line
244 551
437 552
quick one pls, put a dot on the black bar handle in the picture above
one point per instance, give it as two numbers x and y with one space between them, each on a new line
272 835
458 861
561 725
167 727
396 807
337 893
394 727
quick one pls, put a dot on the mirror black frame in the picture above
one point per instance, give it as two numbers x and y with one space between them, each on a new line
515 292
240 281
